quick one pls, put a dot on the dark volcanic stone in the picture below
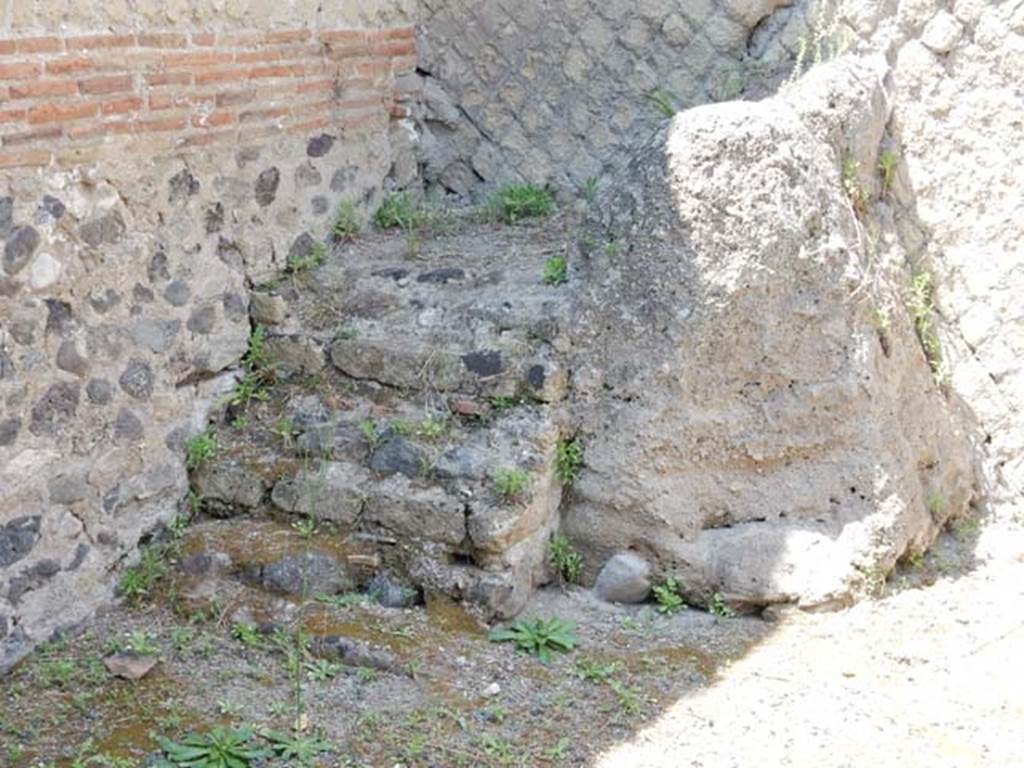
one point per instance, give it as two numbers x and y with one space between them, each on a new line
21 245
52 207
157 271
266 186
9 429
137 379
81 552
394 273
397 456
484 363
141 294
33 578
441 276
6 216
391 593
105 301
99 391
54 408
177 293
234 307
213 218
17 538
128 426
320 145
302 246
536 377
58 317
306 573
203 320
182 185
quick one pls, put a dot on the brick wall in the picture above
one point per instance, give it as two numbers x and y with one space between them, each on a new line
69 99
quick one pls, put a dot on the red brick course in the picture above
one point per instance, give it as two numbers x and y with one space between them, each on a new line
71 99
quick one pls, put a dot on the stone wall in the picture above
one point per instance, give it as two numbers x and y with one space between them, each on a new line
957 128
156 161
563 91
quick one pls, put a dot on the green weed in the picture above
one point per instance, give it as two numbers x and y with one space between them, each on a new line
217 748
137 582
509 483
297 748
662 101
921 306
347 222
888 162
568 459
564 559
398 211
852 187
515 202
719 607
321 670
556 270
200 449
538 637
248 635
667 596
370 433
311 259
595 672
588 190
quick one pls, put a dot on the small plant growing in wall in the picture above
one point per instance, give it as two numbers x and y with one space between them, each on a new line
662 101
719 607
201 449
921 306
852 187
347 223
515 202
370 433
137 583
259 372
564 560
568 459
887 164
309 260
556 270
510 483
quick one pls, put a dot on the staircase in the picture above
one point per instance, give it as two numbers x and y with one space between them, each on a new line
407 399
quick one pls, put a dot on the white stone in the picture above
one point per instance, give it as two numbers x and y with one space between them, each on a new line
44 272
942 32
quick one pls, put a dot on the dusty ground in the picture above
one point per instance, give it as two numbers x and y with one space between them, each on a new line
929 674
440 707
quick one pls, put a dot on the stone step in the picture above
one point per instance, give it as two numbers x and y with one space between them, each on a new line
463 315
405 474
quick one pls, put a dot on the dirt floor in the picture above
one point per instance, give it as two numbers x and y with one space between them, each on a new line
929 673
